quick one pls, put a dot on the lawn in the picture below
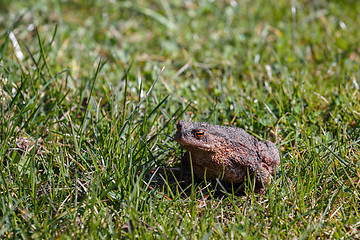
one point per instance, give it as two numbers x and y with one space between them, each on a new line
91 91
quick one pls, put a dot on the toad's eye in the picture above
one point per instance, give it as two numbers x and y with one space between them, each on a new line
199 133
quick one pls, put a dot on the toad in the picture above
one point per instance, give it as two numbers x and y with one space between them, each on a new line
227 153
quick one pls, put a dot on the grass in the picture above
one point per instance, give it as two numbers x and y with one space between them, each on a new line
93 90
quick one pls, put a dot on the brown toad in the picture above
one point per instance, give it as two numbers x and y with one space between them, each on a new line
227 153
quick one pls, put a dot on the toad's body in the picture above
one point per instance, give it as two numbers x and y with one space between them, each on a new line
227 153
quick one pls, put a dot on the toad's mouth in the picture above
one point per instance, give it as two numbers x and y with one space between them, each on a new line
190 146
